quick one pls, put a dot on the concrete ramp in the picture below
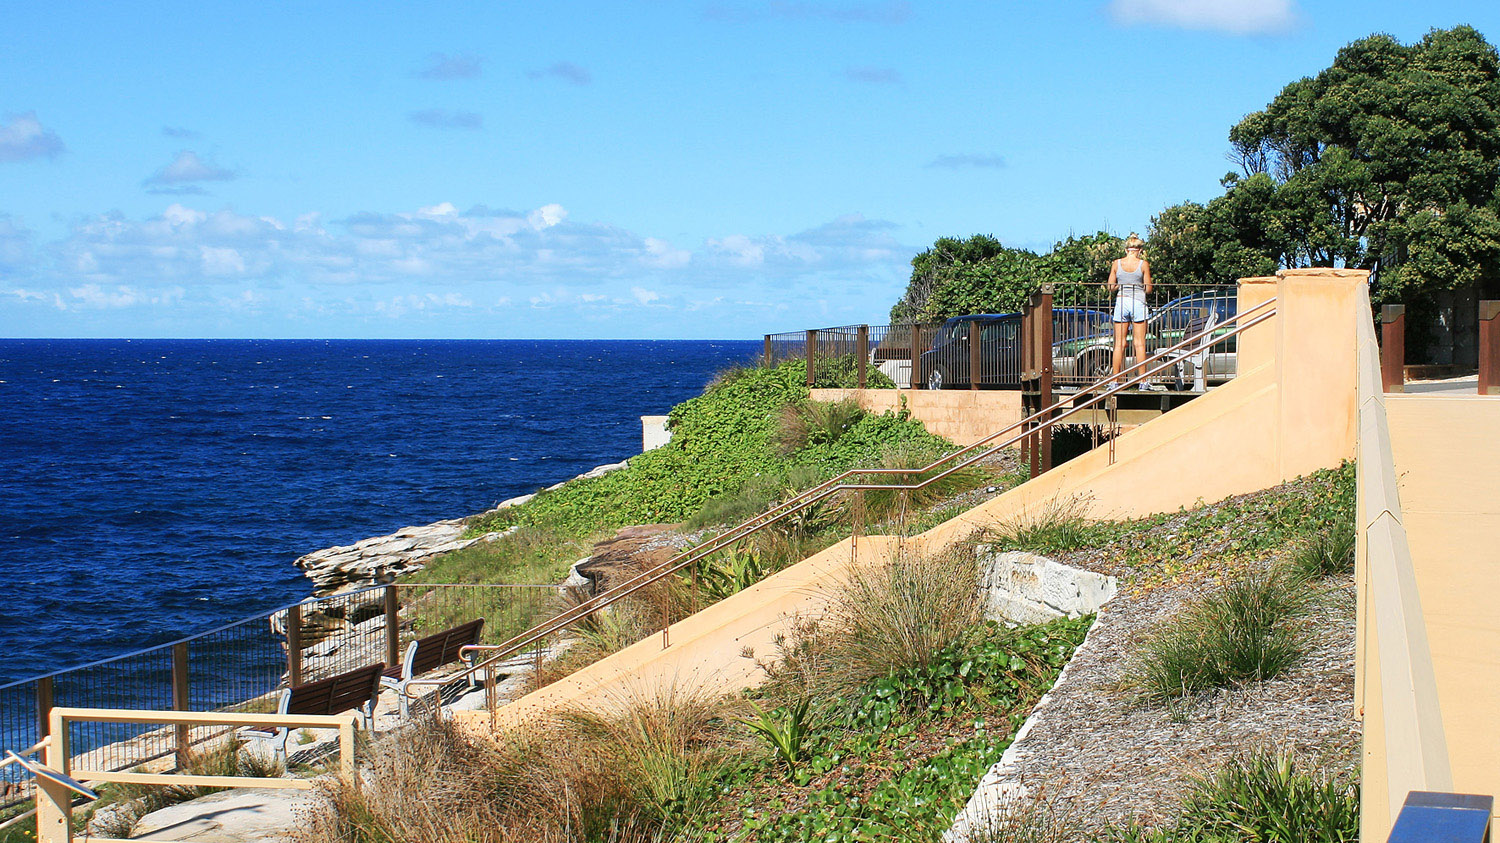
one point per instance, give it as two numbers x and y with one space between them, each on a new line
1291 411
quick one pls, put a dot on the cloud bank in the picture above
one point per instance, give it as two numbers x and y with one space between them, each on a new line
185 175
1232 17
443 67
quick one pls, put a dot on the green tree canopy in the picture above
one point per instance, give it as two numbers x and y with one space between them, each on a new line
979 275
1392 154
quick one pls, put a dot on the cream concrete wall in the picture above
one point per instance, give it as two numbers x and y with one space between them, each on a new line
962 416
1238 438
1447 468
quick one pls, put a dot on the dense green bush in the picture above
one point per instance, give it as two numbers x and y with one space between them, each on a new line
721 440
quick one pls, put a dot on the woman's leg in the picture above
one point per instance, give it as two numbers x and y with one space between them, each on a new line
1140 346
1119 359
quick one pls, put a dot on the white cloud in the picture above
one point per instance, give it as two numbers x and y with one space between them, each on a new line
873 75
1235 17
444 67
184 173
566 71
644 296
22 137
547 216
15 245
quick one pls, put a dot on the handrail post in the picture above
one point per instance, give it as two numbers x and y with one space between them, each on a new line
1393 348
392 627
974 362
862 351
181 701
43 707
765 359
1489 347
1042 327
812 353
294 645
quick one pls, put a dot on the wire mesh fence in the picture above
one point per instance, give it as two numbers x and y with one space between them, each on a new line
241 667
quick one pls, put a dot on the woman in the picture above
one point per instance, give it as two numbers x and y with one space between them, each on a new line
1131 277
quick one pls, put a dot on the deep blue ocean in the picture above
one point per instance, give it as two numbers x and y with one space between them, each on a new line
150 489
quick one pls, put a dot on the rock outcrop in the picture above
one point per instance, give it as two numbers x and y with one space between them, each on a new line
384 558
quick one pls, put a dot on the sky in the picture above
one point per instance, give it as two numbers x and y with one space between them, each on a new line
600 170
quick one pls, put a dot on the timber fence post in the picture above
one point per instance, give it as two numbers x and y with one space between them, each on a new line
1393 348
1489 347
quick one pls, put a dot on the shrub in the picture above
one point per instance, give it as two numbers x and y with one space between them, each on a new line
878 505
842 372
1245 632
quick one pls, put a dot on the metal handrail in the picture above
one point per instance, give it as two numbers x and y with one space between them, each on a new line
576 613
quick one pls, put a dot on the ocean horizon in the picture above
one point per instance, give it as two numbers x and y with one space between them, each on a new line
154 488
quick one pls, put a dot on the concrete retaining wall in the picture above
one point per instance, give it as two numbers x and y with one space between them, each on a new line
961 416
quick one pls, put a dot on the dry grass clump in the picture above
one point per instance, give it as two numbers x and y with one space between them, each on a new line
124 804
1057 525
878 505
621 775
889 617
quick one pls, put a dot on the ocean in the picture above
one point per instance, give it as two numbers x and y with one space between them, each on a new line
150 489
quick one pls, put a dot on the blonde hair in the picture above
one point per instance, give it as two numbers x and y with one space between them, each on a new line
1135 242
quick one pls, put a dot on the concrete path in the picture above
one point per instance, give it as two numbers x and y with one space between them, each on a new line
1468 385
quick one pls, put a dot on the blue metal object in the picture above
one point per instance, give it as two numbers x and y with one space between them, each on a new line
1443 818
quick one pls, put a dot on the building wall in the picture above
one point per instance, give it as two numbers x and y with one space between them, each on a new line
961 416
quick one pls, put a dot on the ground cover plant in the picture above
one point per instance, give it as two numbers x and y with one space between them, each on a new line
1192 541
901 750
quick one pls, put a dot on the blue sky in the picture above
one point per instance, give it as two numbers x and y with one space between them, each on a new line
621 169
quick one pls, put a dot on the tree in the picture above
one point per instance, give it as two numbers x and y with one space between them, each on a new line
1356 164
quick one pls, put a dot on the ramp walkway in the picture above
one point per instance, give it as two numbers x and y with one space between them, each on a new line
1290 411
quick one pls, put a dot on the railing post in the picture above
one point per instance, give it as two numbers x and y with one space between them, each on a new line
294 646
765 359
1042 327
812 353
392 627
181 701
918 377
974 371
862 351
43 706
54 802
1393 348
1489 347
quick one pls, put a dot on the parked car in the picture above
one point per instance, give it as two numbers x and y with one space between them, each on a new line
947 363
1085 359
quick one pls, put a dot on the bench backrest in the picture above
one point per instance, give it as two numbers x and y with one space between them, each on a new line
434 651
336 694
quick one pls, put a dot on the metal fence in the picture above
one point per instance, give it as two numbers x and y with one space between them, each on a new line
240 667
985 351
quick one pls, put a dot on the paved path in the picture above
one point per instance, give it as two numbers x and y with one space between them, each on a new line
1468 385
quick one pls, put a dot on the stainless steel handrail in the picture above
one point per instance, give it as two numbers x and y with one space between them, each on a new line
576 613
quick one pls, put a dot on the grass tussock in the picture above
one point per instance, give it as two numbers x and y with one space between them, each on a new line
1262 797
875 506
809 422
1330 552
1057 525
885 619
1246 631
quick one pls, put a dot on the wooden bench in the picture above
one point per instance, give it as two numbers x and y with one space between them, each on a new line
357 689
428 654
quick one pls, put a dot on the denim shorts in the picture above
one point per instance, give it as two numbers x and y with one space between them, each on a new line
1129 308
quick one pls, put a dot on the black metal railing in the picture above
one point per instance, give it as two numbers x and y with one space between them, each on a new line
985 351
